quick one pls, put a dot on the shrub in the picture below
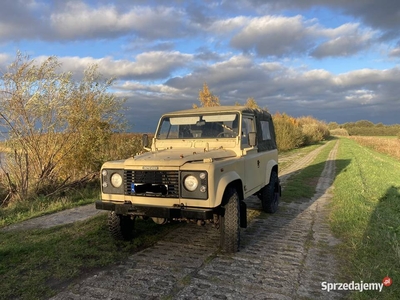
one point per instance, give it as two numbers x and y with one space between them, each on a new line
339 132
123 145
313 130
288 132
53 125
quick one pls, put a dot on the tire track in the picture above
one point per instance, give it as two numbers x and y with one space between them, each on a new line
283 256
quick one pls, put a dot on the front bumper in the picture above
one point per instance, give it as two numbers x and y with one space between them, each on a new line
156 211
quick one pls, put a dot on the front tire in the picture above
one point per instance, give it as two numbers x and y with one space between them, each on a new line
120 226
270 193
230 222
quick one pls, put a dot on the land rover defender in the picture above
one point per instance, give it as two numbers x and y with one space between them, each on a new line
201 166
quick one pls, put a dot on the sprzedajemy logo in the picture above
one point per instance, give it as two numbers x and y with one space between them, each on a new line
356 286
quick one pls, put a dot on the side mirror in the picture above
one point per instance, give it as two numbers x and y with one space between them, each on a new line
145 140
252 139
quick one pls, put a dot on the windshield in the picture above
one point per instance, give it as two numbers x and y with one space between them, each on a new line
201 126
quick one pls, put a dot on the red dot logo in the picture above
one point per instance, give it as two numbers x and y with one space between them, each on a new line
387 281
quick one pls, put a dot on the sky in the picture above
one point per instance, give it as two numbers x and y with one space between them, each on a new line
336 60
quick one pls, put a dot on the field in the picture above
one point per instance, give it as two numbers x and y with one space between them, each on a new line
387 145
365 215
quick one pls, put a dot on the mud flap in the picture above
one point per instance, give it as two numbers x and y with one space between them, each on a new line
243 214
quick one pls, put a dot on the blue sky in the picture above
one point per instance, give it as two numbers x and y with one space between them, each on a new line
333 59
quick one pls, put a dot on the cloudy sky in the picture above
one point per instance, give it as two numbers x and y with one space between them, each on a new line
337 60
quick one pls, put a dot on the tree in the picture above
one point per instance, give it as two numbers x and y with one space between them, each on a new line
54 125
251 103
333 125
364 123
207 98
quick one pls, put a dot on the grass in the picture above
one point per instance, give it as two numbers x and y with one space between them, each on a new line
365 216
387 145
35 264
287 157
24 210
303 184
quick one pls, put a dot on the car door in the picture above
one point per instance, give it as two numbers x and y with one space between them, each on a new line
253 163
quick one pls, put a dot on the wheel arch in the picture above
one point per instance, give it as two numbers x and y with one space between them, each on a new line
230 180
271 166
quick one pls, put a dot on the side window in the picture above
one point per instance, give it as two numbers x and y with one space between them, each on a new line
247 126
266 134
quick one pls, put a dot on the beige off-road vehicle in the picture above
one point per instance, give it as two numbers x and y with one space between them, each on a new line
201 166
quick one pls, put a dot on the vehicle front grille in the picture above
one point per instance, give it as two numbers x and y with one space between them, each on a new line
152 183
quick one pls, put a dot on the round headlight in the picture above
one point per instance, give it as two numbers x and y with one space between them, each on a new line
116 180
191 183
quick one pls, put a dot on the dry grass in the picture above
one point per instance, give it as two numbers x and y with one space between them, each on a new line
390 146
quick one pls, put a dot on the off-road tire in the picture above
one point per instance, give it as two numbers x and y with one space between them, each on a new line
120 226
269 194
230 222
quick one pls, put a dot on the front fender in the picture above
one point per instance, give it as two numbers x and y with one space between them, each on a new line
223 183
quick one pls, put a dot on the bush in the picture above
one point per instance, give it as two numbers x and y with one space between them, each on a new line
53 125
288 132
339 132
123 145
313 130
365 129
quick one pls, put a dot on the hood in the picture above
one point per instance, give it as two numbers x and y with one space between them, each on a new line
177 157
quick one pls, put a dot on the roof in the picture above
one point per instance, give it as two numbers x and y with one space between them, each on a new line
216 109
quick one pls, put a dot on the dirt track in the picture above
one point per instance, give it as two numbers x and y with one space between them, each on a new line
283 256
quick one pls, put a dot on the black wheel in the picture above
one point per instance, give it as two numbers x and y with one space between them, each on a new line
269 194
120 227
230 223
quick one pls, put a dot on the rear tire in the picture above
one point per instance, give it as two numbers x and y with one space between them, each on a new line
269 194
120 226
230 222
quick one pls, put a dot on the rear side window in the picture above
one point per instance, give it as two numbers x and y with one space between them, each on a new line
266 134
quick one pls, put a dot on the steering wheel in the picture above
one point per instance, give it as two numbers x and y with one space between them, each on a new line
227 134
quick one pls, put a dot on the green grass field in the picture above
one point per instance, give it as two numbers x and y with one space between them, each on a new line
39 206
366 217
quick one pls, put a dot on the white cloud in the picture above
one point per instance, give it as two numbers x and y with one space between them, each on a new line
280 36
275 36
395 52
149 65
383 14
345 40
227 26
79 20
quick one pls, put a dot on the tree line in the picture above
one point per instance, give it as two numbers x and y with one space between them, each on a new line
364 128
